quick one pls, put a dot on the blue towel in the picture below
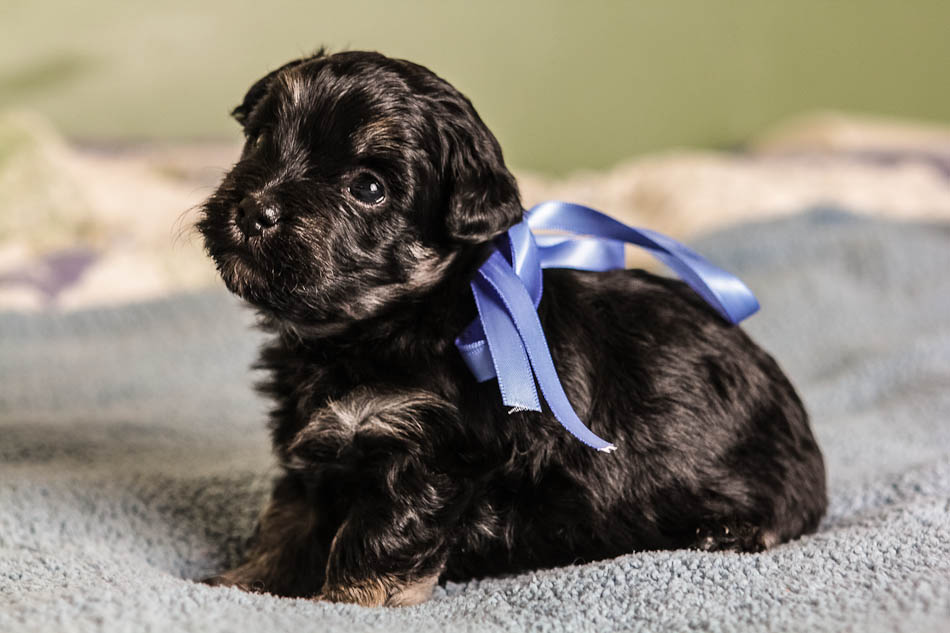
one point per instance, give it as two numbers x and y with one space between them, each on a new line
133 458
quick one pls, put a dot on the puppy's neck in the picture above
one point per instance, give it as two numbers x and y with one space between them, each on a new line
415 325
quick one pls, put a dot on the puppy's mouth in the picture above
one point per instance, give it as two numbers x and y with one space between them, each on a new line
239 258
263 273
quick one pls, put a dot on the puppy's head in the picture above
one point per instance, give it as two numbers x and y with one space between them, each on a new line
361 180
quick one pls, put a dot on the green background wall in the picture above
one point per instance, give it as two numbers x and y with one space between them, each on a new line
564 85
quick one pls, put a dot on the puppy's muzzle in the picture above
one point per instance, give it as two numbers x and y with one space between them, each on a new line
253 217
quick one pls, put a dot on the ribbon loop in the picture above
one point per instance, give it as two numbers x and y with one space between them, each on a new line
507 341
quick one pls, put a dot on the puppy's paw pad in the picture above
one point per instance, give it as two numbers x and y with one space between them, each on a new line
735 537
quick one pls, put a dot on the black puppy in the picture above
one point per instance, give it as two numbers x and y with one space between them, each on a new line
365 199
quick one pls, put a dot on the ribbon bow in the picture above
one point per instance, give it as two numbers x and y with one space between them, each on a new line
506 340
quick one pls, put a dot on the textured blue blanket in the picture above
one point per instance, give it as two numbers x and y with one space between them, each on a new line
133 458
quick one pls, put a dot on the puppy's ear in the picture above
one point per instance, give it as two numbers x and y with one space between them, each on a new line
483 199
259 89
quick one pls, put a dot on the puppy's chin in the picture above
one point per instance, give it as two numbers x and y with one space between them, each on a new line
287 309
240 277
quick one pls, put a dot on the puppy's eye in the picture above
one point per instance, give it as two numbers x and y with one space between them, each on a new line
367 189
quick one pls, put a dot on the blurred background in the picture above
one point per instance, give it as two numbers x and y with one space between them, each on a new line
564 85
682 115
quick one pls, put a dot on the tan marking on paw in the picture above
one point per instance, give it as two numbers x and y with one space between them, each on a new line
371 592
245 577
415 592
382 592
768 539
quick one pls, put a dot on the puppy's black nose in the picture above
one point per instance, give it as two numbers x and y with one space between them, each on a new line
254 217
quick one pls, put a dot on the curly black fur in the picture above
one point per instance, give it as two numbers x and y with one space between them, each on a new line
400 469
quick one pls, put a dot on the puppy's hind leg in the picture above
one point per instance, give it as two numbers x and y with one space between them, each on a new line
288 552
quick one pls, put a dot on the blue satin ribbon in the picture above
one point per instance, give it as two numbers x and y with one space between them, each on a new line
506 340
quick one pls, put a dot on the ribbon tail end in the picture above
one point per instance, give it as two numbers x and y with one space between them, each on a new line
610 448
